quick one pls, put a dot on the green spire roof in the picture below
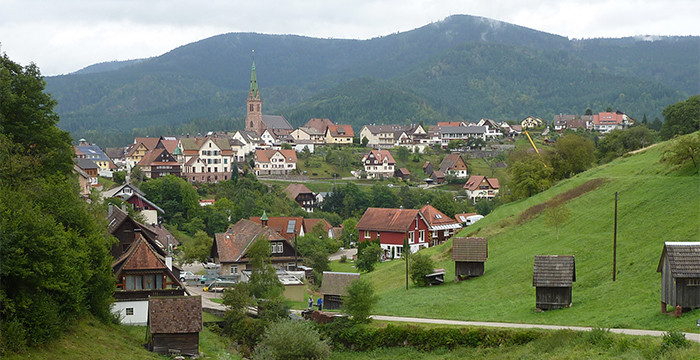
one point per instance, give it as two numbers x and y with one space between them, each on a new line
253 80
264 216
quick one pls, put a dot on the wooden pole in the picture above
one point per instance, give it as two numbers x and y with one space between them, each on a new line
406 253
615 241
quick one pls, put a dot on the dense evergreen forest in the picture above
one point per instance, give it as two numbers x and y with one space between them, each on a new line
463 67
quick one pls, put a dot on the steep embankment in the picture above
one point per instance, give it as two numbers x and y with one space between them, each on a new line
657 203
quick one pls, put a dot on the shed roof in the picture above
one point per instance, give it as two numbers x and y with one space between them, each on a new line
336 283
470 249
175 314
554 271
683 258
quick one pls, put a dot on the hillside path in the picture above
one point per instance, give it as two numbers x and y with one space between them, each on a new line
690 336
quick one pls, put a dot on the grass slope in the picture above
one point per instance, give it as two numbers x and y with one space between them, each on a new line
656 204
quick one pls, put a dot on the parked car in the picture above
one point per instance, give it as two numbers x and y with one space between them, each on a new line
188 275
207 279
219 285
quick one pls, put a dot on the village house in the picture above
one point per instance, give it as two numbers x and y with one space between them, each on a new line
492 128
481 187
449 133
141 272
606 122
467 219
159 162
680 275
531 122
441 226
230 248
174 323
334 288
339 134
379 164
391 226
137 200
250 141
402 173
83 182
309 224
275 162
452 123
387 136
141 146
553 276
125 228
302 195
510 130
319 124
255 120
289 227
205 160
309 133
85 150
454 165
90 168
469 255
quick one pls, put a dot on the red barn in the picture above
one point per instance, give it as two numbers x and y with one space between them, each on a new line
392 226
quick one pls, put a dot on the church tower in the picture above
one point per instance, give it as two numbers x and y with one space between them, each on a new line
253 120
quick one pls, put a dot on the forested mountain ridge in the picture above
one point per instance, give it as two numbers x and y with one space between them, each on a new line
302 77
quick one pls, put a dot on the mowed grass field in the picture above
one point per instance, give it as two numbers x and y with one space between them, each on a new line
657 203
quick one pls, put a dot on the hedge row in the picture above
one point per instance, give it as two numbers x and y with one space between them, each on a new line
357 337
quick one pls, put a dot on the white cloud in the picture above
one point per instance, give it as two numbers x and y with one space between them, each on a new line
64 36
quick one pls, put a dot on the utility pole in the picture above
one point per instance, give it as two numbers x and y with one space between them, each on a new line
615 241
406 253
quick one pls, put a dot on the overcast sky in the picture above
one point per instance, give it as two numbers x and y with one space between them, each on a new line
67 35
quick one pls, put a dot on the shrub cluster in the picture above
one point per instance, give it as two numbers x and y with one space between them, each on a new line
343 334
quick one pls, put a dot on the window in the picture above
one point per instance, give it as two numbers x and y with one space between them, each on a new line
129 311
421 236
234 270
693 282
411 237
367 234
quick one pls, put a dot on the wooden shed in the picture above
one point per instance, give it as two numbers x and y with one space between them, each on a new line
174 324
552 278
334 288
469 255
680 275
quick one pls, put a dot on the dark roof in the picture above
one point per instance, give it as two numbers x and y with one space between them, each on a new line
683 258
276 122
293 190
463 129
232 244
450 161
470 249
554 271
175 314
403 172
336 283
86 164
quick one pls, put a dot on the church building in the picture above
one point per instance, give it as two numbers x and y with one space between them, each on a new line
255 120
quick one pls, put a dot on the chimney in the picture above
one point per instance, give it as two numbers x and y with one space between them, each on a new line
169 258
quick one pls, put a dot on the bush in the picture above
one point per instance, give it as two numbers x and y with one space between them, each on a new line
343 259
674 339
289 339
420 266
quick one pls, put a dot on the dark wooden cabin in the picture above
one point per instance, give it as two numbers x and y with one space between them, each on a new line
469 255
334 288
680 275
552 278
174 324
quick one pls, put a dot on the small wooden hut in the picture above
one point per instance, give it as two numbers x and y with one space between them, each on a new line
174 324
552 278
680 275
437 277
469 255
334 288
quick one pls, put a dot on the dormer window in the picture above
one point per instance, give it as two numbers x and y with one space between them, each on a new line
438 216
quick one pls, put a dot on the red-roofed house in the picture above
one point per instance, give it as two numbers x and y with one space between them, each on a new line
309 224
302 195
379 164
230 248
339 134
275 162
441 226
319 124
481 187
392 226
608 121
286 226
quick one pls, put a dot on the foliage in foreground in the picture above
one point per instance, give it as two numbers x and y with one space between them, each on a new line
291 339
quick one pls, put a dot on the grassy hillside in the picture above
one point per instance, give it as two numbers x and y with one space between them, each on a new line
656 204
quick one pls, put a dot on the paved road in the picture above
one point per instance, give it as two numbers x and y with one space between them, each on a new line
206 298
349 253
690 336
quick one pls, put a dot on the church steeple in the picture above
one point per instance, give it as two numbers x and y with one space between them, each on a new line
253 120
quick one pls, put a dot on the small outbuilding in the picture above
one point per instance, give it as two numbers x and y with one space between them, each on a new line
680 275
437 277
553 277
334 288
174 324
469 255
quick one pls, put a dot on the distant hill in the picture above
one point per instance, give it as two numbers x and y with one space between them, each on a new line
463 67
